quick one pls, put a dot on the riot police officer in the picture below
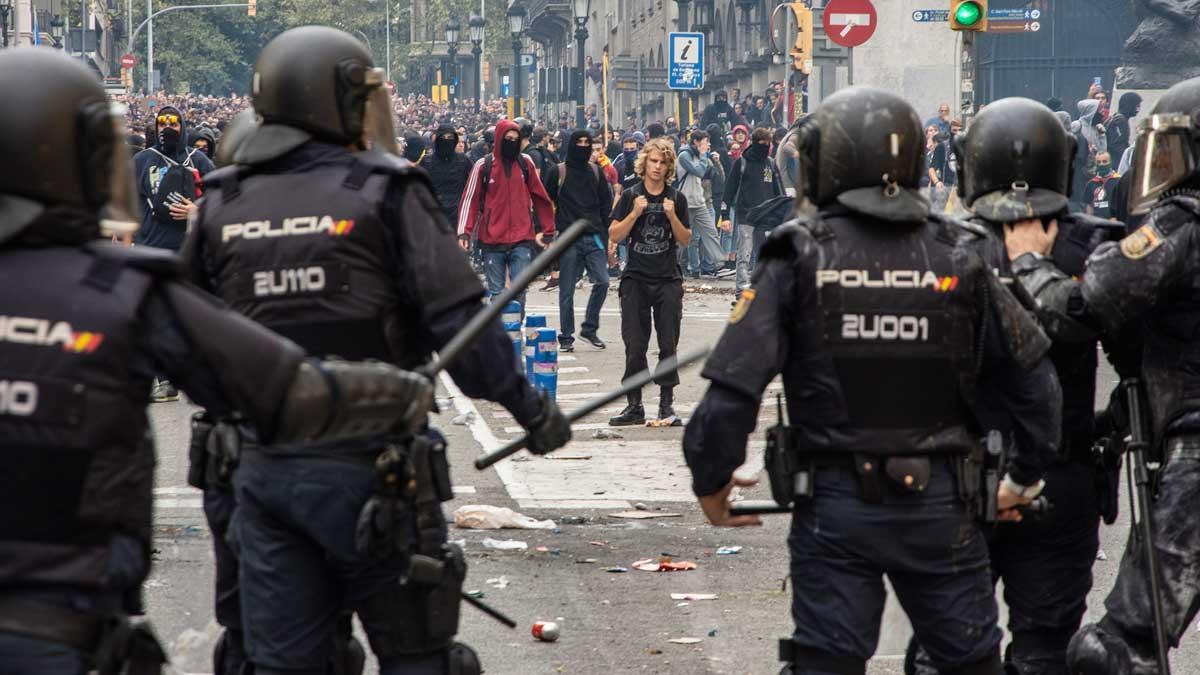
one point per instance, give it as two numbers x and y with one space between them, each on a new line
883 326
346 251
1015 166
1147 281
85 326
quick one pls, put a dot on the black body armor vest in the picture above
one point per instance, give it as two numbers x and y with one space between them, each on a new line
78 464
307 255
1075 363
1171 337
900 322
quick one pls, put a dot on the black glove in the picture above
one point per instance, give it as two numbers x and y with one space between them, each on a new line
549 430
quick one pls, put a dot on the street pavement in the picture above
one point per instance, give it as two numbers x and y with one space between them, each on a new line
612 621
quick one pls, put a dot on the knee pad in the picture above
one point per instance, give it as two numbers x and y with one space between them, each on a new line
462 660
1094 651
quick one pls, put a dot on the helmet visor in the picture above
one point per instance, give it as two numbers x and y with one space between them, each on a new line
120 214
1162 159
378 128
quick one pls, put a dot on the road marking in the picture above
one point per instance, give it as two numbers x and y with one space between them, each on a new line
573 383
167 503
464 489
573 369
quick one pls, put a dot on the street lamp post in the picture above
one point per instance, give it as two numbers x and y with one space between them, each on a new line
5 10
580 8
56 30
682 97
476 25
516 26
452 28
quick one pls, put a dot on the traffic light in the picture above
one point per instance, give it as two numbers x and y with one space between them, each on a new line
802 49
970 15
252 9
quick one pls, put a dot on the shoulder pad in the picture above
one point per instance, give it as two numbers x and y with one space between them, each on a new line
788 241
1173 212
1188 201
213 179
382 162
970 228
156 261
814 224
954 231
1082 228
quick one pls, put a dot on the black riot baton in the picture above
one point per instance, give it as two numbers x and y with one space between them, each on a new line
488 314
636 382
490 611
1137 448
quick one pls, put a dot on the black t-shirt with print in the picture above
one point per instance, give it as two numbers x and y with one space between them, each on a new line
652 246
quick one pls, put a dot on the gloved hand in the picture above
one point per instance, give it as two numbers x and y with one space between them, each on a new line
550 430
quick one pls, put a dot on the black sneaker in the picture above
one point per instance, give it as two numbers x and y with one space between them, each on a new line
593 340
566 346
551 284
630 416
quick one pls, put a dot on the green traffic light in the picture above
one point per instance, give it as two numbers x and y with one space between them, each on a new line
967 14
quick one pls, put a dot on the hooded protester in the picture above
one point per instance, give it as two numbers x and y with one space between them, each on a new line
717 135
718 112
741 136
1118 134
506 206
204 140
448 170
583 193
1088 123
168 175
414 148
624 162
753 180
1089 142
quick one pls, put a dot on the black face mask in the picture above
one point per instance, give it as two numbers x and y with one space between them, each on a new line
168 140
444 147
510 149
579 155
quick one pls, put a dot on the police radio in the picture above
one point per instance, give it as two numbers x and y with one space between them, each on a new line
790 477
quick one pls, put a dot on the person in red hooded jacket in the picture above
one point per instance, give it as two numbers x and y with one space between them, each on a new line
506 208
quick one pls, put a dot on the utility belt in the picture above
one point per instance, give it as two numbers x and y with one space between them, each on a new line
791 469
412 479
115 646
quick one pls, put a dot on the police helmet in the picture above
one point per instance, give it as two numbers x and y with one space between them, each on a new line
524 127
1167 150
317 79
1014 163
236 132
61 143
863 149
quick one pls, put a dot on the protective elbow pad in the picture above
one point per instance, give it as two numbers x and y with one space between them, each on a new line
343 399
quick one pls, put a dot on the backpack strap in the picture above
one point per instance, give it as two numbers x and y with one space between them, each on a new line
486 178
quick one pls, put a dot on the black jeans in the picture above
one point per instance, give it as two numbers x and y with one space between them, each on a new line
1046 566
586 254
300 568
218 510
646 304
927 545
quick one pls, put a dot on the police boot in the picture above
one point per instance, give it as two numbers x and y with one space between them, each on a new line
666 408
1097 651
633 413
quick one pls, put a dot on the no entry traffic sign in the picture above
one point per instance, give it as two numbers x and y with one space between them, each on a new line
849 23
127 61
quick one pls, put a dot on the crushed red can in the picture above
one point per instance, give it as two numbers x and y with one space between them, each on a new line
546 631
